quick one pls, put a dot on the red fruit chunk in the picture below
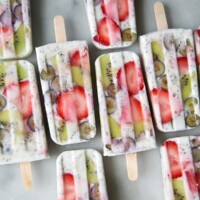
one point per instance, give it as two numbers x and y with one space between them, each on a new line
126 112
198 180
136 108
174 159
191 180
123 9
75 58
107 28
198 32
182 65
72 104
69 187
134 78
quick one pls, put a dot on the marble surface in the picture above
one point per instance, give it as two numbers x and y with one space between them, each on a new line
180 14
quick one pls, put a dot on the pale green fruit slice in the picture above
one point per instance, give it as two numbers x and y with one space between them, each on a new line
186 87
91 172
22 72
157 50
62 131
179 192
115 129
77 75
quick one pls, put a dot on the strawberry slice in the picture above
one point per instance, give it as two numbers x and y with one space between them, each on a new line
182 65
198 32
75 58
126 117
72 104
106 29
69 187
22 98
174 159
197 174
123 9
191 180
136 108
134 78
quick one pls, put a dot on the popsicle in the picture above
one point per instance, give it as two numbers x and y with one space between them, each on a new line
126 124
64 69
22 133
112 23
181 168
80 175
15 29
171 71
197 44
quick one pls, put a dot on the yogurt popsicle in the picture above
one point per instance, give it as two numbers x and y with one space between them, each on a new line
126 124
66 84
181 168
112 23
171 71
80 175
15 29
22 133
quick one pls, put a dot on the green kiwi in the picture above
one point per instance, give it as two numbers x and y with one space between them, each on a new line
77 75
62 130
186 87
115 129
111 105
157 50
128 35
196 154
192 120
20 39
48 74
139 128
179 191
85 130
106 70
159 68
2 75
22 72
163 82
91 172
111 90
3 102
190 104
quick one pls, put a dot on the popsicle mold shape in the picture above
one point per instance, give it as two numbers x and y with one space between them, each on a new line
22 134
171 72
126 124
66 84
15 29
181 168
80 175
112 23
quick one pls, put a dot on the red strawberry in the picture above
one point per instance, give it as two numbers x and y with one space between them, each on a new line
198 180
198 32
191 180
182 65
123 9
22 100
134 78
165 109
75 58
69 187
174 159
106 29
72 104
126 112
136 108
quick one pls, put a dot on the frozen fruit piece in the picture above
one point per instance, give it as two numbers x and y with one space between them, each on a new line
192 120
196 154
3 102
94 193
111 90
174 159
159 68
85 130
123 9
77 75
186 87
179 192
128 35
91 172
190 104
191 180
136 110
18 12
69 187
48 74
182 65
62 129
55 84
22 72
157 50
115 129
111 105
31 123
103 27
163 82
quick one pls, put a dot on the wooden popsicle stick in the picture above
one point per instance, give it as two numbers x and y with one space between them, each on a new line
60 35
161 19
26 174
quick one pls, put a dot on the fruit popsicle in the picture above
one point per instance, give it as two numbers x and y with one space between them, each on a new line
181 168
66 85
126 124
80 175
22 133
112 23
15 29
169 62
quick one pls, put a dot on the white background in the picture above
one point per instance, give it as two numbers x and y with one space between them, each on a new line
180 14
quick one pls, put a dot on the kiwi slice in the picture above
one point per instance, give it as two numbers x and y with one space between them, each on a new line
22 72
31 123
95 193
55 84
196 154
106 70
192 120
3 102
128 35
91 172
2 75
139 128
62 130
77 75
111 90
111 105
49 74
159 68
186 87
163 82
115 129
157 50
85 130
190 104
20 40
179 192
